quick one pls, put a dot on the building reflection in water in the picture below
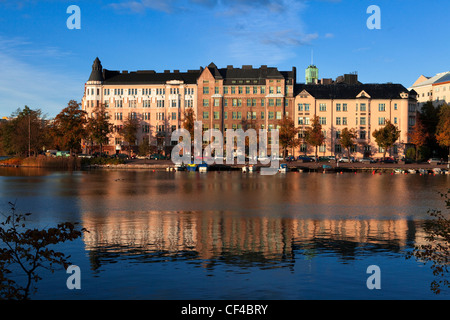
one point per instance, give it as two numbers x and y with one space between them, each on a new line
151 216
229 238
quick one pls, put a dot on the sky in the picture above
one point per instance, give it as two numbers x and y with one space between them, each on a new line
44 64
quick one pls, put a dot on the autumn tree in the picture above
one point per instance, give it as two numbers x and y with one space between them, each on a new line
189 120
98 127
69 127
288 134
436 248
314 135
348 137
27 251
26 133
386 136
418 135
129 131
443 128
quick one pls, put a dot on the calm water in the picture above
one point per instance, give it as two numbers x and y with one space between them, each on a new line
221 235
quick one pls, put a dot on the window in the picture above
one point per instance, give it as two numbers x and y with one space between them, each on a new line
270 102
363 107
205 90
362 134
216 102
323 120
300 107
344 121
338 121
205 102
344 107
411 121
278 102
247 90
225 90
270 115
338 134
306 106
381 107
255 90
216 115
363 121
381 121
216 90
234 116
263 90
225 115
174 116
395 120
278 115
338 107
262 115
395 106
239 115
323 107
205 115
279 90
240 90
337 148
239 102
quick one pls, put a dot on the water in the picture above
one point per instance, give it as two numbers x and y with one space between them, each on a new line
227 235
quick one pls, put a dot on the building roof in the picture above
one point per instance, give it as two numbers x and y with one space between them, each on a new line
247 72
149 77
351 91
426 81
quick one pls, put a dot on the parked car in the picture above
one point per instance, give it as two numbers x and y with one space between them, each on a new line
305 159
367 160
346 159
434 161
387 160
290 158
157 156
84 155
120 156
324 159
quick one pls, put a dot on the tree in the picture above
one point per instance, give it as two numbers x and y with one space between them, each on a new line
288 134
25 134
29 250
189 120
129 131
314 135
98 127
386 136
429 115
437 247
348 137
443 128
70 127
418 136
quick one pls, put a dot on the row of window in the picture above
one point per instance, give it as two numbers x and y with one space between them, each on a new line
146 116
343 107
246 89
237 115
135 91
249 102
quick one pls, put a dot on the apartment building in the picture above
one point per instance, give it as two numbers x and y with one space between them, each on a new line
242 98
363 107
158 100
247 97
435 89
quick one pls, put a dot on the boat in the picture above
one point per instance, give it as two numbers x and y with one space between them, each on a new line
423 171
180 167
203 167
399 171
191 167
412 171
283 168
437 170
327 168
245 169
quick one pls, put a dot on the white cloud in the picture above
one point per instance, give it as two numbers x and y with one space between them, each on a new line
26 83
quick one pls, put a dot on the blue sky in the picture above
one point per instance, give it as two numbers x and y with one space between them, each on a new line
43 64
